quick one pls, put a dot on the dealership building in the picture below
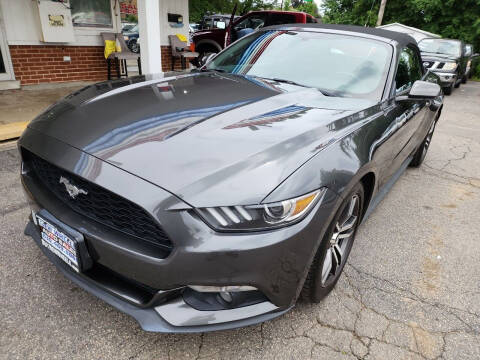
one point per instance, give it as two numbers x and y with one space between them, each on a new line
49 41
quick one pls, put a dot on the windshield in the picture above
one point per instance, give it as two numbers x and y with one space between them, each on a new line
440 46
134 29
337 64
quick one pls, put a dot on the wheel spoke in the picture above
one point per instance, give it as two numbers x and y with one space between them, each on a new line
348 224
336 259
327 265
345 234
339 252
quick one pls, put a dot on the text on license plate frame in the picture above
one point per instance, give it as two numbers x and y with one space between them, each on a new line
59 243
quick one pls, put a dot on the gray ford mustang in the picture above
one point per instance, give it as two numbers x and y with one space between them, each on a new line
216 199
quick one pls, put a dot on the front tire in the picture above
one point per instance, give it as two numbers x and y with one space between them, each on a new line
335 247
464 79
448 90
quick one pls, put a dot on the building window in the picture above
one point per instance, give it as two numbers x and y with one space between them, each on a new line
94 13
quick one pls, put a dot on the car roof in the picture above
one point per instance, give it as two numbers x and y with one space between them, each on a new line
457 40
278 12
386 35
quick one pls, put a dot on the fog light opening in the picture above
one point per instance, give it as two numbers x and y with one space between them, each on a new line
226 296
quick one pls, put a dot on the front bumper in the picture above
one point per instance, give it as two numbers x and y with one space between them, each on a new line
446 79
275 262
185 318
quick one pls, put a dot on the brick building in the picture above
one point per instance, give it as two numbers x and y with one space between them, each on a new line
50 41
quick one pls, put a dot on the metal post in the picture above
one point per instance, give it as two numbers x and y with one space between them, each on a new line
381 11
149 33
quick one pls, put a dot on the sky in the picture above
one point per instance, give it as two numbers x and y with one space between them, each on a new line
319 3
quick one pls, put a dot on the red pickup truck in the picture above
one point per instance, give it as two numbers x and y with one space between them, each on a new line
212 41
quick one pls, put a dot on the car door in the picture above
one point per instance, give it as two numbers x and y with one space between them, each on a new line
409 113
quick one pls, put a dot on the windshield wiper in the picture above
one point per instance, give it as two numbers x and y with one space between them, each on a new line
291 82
285 81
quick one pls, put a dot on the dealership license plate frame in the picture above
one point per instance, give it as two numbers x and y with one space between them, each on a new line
54 234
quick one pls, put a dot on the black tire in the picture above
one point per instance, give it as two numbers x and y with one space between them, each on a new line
448 90
457 84
316 286
134 46
422 150
464 79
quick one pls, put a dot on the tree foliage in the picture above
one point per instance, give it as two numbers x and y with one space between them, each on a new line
198 8
457 19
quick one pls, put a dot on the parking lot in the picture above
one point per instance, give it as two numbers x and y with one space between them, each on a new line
411 289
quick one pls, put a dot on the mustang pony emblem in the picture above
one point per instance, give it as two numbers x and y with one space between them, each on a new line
72 190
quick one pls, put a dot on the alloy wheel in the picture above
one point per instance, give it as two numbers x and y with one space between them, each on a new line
343 233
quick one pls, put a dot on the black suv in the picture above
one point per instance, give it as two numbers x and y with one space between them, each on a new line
447 59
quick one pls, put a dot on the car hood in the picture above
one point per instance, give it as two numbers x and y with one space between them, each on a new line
211 139
426 56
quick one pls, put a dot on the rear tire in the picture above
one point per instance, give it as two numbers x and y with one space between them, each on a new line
421 152
335 247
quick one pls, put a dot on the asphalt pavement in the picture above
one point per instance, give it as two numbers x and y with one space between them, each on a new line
411 289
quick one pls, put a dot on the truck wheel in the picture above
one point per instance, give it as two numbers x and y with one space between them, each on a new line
448 90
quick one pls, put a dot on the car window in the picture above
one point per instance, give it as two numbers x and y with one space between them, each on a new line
339 64
279 19
311 19
441 46
409 70
254 21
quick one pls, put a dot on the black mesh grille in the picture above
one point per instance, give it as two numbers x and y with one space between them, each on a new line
98 204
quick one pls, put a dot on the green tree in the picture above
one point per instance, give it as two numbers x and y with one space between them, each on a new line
457 19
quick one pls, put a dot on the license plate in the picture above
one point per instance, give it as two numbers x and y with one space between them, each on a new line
59 243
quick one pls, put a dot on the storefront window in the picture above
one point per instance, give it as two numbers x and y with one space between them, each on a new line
96 13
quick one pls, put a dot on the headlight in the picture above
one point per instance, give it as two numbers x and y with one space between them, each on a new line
125 38
260 217
450 66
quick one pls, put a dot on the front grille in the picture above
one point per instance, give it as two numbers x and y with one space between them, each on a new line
98 204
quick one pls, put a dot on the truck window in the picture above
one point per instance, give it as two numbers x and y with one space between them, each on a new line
279 19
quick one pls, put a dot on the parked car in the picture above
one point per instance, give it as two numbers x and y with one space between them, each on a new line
473 60
131 39
127 26
212 41
447 59
224 194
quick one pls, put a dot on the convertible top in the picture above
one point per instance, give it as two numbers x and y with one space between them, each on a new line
401 38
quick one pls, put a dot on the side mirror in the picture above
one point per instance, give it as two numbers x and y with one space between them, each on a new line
424 90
